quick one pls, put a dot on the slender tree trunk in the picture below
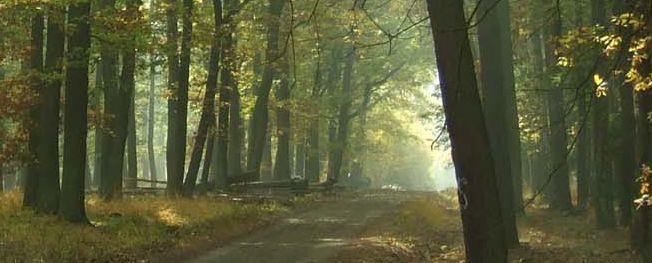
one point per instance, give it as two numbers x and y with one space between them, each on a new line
300 159
235 134
583 146
266 166
514 135
208 157
627 159
71 207
48 150
313 167
560 184
283 126
261 112
132 157
116 108
496 87
151 120
477 186
208 106
341 141
36 72
603 183
174 160
98 134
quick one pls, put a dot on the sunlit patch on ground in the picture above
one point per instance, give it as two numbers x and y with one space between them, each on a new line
127 230
428 230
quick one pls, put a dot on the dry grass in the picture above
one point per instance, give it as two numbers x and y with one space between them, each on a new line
131 229
428 229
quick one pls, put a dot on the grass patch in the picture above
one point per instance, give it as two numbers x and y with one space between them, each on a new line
130 229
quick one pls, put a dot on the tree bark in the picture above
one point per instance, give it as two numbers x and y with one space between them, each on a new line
283 126
560 185
477 187
603 179
496 85
627 160
48 150
36 82
116 110
132 144
71 207
151 120
341 141
261 112
174 159
208 106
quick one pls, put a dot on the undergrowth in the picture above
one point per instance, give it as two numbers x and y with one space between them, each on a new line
130 229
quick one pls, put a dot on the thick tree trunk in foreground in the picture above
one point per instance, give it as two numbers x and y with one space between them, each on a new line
71 207
36 74
477 187
495 86
48 150
261 112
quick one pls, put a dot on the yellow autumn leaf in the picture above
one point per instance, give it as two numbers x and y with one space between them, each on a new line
597 79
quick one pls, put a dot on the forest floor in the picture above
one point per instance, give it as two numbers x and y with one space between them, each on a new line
364 226
386 226
134 229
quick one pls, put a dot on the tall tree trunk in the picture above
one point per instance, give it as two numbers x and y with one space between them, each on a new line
560 185
208 106
283 126
132 144
343 118
151 120
116 108
513 135
496 86
477 186
261 112
96 102
300 159
208 157
583 146
627 160
313 167
36 76
235 134
603 197
71 207
48 150
174 159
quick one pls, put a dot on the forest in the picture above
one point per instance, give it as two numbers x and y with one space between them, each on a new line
325 131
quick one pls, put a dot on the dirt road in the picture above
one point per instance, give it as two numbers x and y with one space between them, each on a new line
314 235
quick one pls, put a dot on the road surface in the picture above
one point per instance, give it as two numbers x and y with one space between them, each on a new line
314 235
